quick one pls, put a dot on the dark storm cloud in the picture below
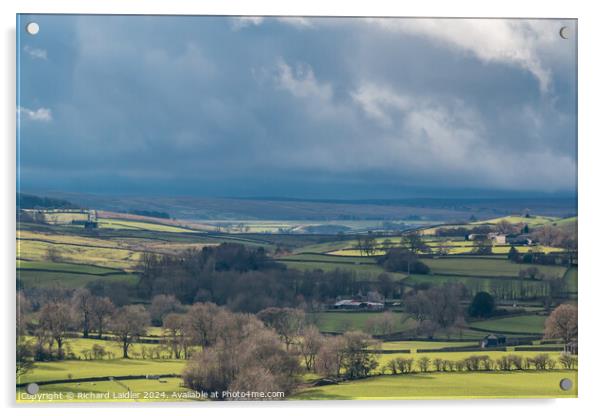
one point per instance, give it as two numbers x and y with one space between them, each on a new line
296 107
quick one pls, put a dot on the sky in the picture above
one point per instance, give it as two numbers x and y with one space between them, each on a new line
297 107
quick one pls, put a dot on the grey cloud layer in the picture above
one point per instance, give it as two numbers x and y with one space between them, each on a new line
279 106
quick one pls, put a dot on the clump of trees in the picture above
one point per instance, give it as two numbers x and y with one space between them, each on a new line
402 260
51 315
243 279
245 355
347 356
437 308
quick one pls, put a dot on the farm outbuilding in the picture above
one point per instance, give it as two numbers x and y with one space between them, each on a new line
493 340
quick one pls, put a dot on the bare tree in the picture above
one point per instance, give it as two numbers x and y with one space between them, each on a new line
174 330
101 311
56 319
161 305
381 324
203 321
329 361
129 324
287 322
309 345
83 302
562 323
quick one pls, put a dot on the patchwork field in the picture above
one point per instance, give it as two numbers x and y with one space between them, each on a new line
65 255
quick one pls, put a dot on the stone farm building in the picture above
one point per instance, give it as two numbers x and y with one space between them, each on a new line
493 340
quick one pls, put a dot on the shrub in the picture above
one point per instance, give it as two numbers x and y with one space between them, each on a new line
482 305
516 361
503 363
568 361
488 363
405 364
475 362
400 365
448 365
460 365
392 366
543 362
424 363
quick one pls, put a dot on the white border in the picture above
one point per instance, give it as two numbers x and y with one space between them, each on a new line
589 189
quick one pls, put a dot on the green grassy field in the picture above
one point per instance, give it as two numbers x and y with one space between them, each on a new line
513 384
367 271
92 255
61 370
119 224
63 267
29 278
566 223
571 280
414 345
165 389
486 267
525 323
64 217
478 284
516 219
347 321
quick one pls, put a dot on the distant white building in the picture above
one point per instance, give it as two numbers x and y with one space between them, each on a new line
358 304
